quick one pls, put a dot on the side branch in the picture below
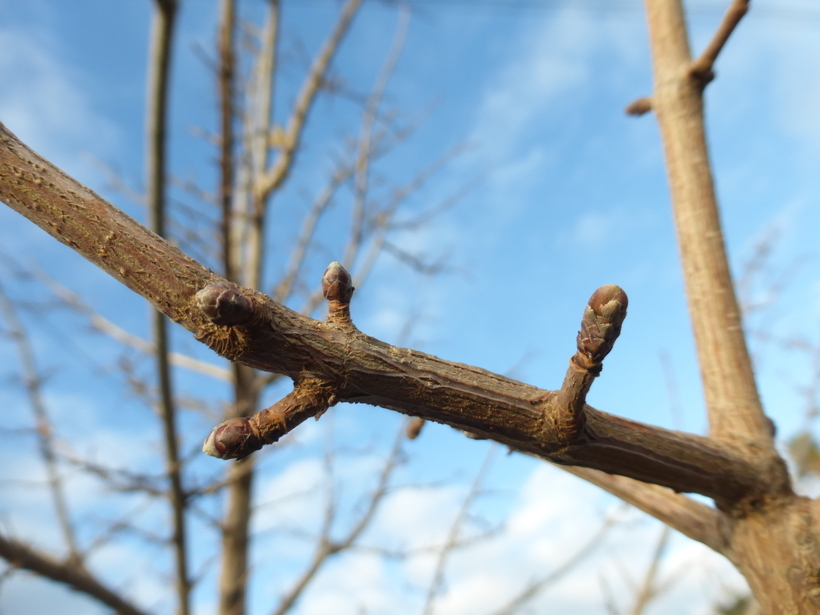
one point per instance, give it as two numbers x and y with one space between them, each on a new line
701 68
268 336
732 401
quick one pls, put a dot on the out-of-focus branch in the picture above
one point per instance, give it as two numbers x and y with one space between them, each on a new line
452 535
682 513
702 67
22 555
45 435
327 546
556 575
263 85
734 408
227 18
311 220
162 32
118 334
371 114
648 590
291 137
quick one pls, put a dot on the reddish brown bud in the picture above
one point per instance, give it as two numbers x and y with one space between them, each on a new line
337 284
601 324
414 428
224 304
232 439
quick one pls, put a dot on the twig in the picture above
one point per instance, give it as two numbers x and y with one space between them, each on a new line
326 546
537 586
365 144
43 428
452 535
118 334
701 68
648 590
276 174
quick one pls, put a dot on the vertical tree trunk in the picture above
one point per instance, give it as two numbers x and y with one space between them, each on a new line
771 536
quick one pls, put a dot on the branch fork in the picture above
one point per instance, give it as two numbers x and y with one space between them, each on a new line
224 304
701 70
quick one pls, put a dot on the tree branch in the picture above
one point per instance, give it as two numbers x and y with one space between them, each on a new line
277 173
45 434
21 555
735 412
270 337
681 513
701 68
162 32
327 547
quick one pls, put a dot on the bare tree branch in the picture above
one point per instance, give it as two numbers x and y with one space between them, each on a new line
702 67
326 546
404 379
456 527
735 411
693 519
21 555
276 174
556 575
648 589
162 31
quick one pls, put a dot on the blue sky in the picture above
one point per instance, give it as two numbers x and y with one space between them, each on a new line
572 195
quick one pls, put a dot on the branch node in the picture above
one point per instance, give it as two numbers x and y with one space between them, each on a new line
224 304
337 287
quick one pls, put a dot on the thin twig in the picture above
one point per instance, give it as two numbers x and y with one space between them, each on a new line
452 535
162 33
328 547
648 590
43 427
371 114
702 67
556 575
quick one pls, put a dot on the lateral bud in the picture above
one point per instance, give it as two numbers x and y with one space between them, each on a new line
337 285
224 304
601 325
